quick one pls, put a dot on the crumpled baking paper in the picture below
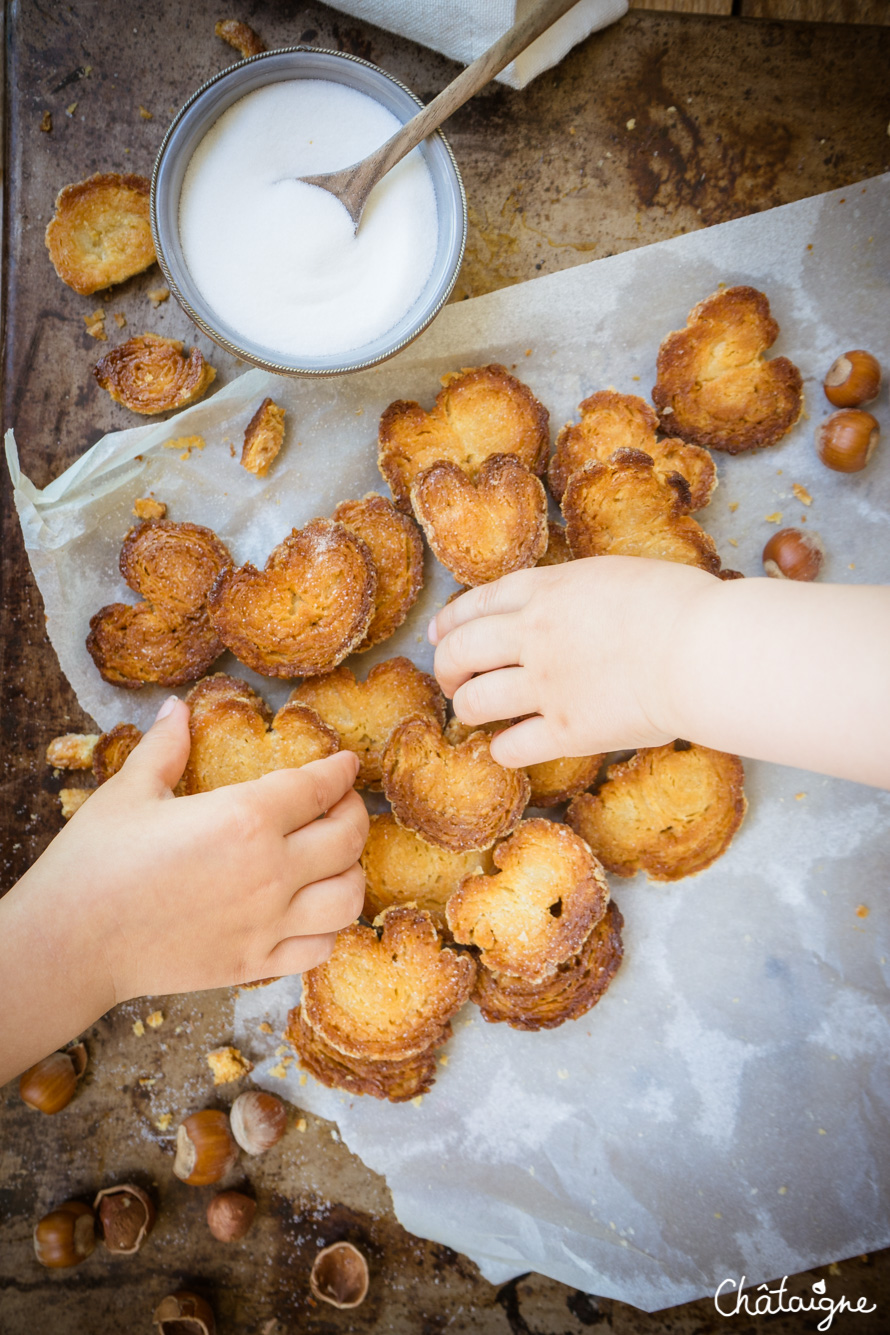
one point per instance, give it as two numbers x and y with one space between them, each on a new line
725 1109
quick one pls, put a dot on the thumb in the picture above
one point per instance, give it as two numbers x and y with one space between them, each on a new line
162 753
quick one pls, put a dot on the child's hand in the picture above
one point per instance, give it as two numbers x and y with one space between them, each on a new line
582 647
177 894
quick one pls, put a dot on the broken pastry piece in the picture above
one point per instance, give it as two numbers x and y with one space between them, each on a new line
363 714
612 421
558 550
669 811
623 508
149 374
396 549
72 799
240 36
263 438
397 1081
454 796
402 868
306 610
145 507
479 412
166 639
537 910
235 737
112 749
715 388
100 233
387 992
570 992
484 528
73 750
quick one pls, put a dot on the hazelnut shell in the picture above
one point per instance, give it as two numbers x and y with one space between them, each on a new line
66 1236
791 554
184 1313
49 1085
230 1215
127 1216
846 440
205 1150
258 1120
340 1276
854 379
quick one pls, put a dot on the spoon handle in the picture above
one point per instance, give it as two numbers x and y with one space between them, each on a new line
461 89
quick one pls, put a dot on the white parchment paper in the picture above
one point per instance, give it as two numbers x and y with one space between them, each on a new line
725 1110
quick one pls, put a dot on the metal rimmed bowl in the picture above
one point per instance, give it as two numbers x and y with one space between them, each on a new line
193 122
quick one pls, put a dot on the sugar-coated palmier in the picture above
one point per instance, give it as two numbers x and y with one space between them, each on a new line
455 796
100 231
168 638
480 411
387 992
396 549
482 528
570 992
364 713
402 868
537 910
149 374
623 508
305 610
669 811
397 1081
714 387
611 421
552 781
112 749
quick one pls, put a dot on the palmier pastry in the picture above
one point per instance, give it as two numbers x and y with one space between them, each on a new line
669 811
558 550
263 438
364 713
537 910
454 796
484 528
402 868
397 1081
387 992
167 638
577 985
612 421
479 412
112 749
623 508
715 388
149 374
306 610
235 738
100 232
396 549
552 781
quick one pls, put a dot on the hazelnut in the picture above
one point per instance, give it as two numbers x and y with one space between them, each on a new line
846 440
230 1215
854 379
340 1275
205 1150
258 1120
49 1086
66 1236
790 554
183 1313
127 1216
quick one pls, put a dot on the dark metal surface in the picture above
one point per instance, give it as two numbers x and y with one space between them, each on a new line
661 124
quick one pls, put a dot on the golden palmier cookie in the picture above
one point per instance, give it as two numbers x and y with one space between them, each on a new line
480 411
454 796
364 713
388 991
623 508
149 374
100 232
235 738
396 549
482 528
263 438
558 550
397 1081
669 811
715 388
402 868
168 638
112 749
552 781
537 910
574 989
306 610
612 421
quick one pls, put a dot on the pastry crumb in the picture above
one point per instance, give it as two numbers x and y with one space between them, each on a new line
417 1101
265 1027
799 796
227 1064
733 506
120 319
164 1122
46 123
279 1071
300 1124
144 507
71 108
862 911
72 799
801 493
145 114
186 444
155 1020
138 1028
73 750
157 295
95 324
774 518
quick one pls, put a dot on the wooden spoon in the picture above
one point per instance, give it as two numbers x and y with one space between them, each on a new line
352 185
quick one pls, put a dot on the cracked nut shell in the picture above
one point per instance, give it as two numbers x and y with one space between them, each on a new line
340 1276
127 1216
184 1313
205 1150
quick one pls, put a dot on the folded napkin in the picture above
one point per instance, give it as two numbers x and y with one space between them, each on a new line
463 29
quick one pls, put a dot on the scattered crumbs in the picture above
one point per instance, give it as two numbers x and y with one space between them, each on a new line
303 1078
834 1268
335 1135
562 1074
156 295
279 1071
571 129
783 1191
155 1020
147 1080
70 109
46 123
717 1214
862 911
635 377
280 1051
186 444
265 1027
178 1029
632 122
138 1028
774 518
803 519
672 108
417 1102
227 1064
120 319
733 506
146 115
231 449
443 1060
733 543
359 412
822 1131
778 472
95 324
810 246
164 1122
145 507
852 565
528 352
300 1124
801 493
